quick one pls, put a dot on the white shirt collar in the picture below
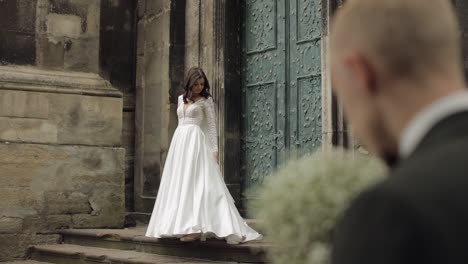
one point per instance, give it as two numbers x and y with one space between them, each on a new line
426 119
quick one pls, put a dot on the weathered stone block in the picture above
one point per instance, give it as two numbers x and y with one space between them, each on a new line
157 7
108 209
24 104
63 25
12 246
93 17
55 222
60 118
20 197
45 239
50 52
83 55
28 130
87 120
157 28
64 180
17 212
97 221
65 202
33 224
141 7
9 225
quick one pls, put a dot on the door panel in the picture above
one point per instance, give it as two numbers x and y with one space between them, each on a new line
263 90
281 84
305 75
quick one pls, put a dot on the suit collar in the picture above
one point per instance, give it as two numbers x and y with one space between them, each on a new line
450 129
429 118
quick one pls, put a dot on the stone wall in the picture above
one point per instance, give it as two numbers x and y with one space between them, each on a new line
60 158
153 106
462 9
68 35
117 64
77 35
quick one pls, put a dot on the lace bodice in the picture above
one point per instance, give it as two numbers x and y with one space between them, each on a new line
200 113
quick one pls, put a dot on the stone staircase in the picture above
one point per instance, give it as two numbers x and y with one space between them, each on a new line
131 246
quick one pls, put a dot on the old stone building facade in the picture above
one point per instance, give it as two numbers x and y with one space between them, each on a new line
88 92
66 117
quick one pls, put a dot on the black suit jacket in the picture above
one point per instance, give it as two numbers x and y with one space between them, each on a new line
420 213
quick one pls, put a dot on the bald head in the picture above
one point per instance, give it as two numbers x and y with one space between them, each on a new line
390 59
400 38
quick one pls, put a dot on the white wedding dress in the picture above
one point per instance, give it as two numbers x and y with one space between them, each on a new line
193 197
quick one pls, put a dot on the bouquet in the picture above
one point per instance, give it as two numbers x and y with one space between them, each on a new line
299 204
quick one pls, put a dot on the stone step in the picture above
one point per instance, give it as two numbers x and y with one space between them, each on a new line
26 262
74 254
142 219
134 239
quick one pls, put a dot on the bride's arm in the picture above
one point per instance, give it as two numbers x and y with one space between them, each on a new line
212 127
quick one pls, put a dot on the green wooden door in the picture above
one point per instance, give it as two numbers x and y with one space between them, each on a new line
281 84
305 86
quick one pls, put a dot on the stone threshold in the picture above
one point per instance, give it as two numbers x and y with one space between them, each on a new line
137 235
32 79
134 239
82 254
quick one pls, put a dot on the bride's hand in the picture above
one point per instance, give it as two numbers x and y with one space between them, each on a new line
216 157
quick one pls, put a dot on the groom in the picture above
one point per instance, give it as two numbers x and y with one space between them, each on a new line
397 69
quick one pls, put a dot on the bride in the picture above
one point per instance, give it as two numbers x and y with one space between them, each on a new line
193 201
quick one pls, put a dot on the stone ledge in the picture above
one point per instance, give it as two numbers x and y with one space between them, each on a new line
134 239
32 79
101 255
26 262
137 235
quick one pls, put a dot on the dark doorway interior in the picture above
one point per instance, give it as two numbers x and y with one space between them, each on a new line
117 53
18 32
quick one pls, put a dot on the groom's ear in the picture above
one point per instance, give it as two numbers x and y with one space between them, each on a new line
364 72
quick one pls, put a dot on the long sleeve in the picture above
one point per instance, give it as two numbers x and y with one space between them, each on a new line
180 100
211 128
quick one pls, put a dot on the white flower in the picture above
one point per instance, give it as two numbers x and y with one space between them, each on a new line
300 203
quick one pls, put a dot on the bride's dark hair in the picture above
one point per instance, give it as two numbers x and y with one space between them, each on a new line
192 76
